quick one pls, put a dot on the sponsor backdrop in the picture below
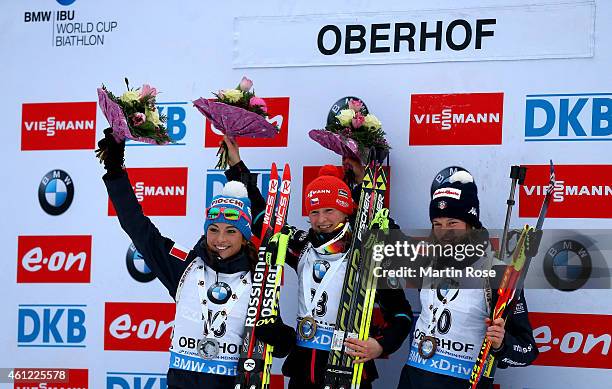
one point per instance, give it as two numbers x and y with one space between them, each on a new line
481 84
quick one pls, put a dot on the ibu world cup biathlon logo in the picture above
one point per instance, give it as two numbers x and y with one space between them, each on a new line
219 292
319 270
55 192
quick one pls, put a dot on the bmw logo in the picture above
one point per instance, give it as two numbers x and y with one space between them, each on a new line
444 287
55 192
443 176
219 293
136 265
567 265
319 269
65 2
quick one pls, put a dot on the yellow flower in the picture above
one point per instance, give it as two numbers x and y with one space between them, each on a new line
130 96
153 117
372 121
233 95
345 117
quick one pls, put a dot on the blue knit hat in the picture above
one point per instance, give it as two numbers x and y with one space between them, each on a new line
234 196
457 198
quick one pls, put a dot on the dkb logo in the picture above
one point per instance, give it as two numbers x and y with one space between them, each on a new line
135 380
570 117
51 325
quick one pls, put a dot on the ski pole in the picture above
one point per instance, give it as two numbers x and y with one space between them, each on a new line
517 174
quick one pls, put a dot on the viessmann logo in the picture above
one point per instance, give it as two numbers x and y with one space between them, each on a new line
54 259
58 126
160 191
138 326
456 119
572 340
278 114
581 191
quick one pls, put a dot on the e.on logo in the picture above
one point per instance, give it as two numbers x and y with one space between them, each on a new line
572 340
278 114
138 326
58 126
160 191
309 173
456 119
581 191
54 259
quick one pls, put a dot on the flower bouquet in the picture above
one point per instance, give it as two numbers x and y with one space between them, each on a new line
133 115
237 112
351 131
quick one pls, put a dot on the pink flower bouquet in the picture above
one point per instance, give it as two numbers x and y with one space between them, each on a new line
133 115
237 112
351 130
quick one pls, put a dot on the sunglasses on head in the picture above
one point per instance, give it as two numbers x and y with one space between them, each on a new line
231 214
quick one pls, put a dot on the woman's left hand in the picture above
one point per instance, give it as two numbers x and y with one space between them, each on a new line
364 350
233 151
356 166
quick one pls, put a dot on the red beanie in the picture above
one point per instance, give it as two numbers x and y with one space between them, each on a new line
329 191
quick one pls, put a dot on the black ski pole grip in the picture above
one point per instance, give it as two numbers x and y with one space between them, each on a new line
522 175
515 172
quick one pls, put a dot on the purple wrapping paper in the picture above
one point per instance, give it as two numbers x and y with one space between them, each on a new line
345 147
235 121
114 114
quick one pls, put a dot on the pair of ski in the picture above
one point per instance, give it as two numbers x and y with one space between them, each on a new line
514 274
255 361
357 300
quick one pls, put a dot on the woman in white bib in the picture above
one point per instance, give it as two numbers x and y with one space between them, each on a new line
319 256
455 311
210 283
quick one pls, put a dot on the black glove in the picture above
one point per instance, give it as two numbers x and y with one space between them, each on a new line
272 331
111 153
533 243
